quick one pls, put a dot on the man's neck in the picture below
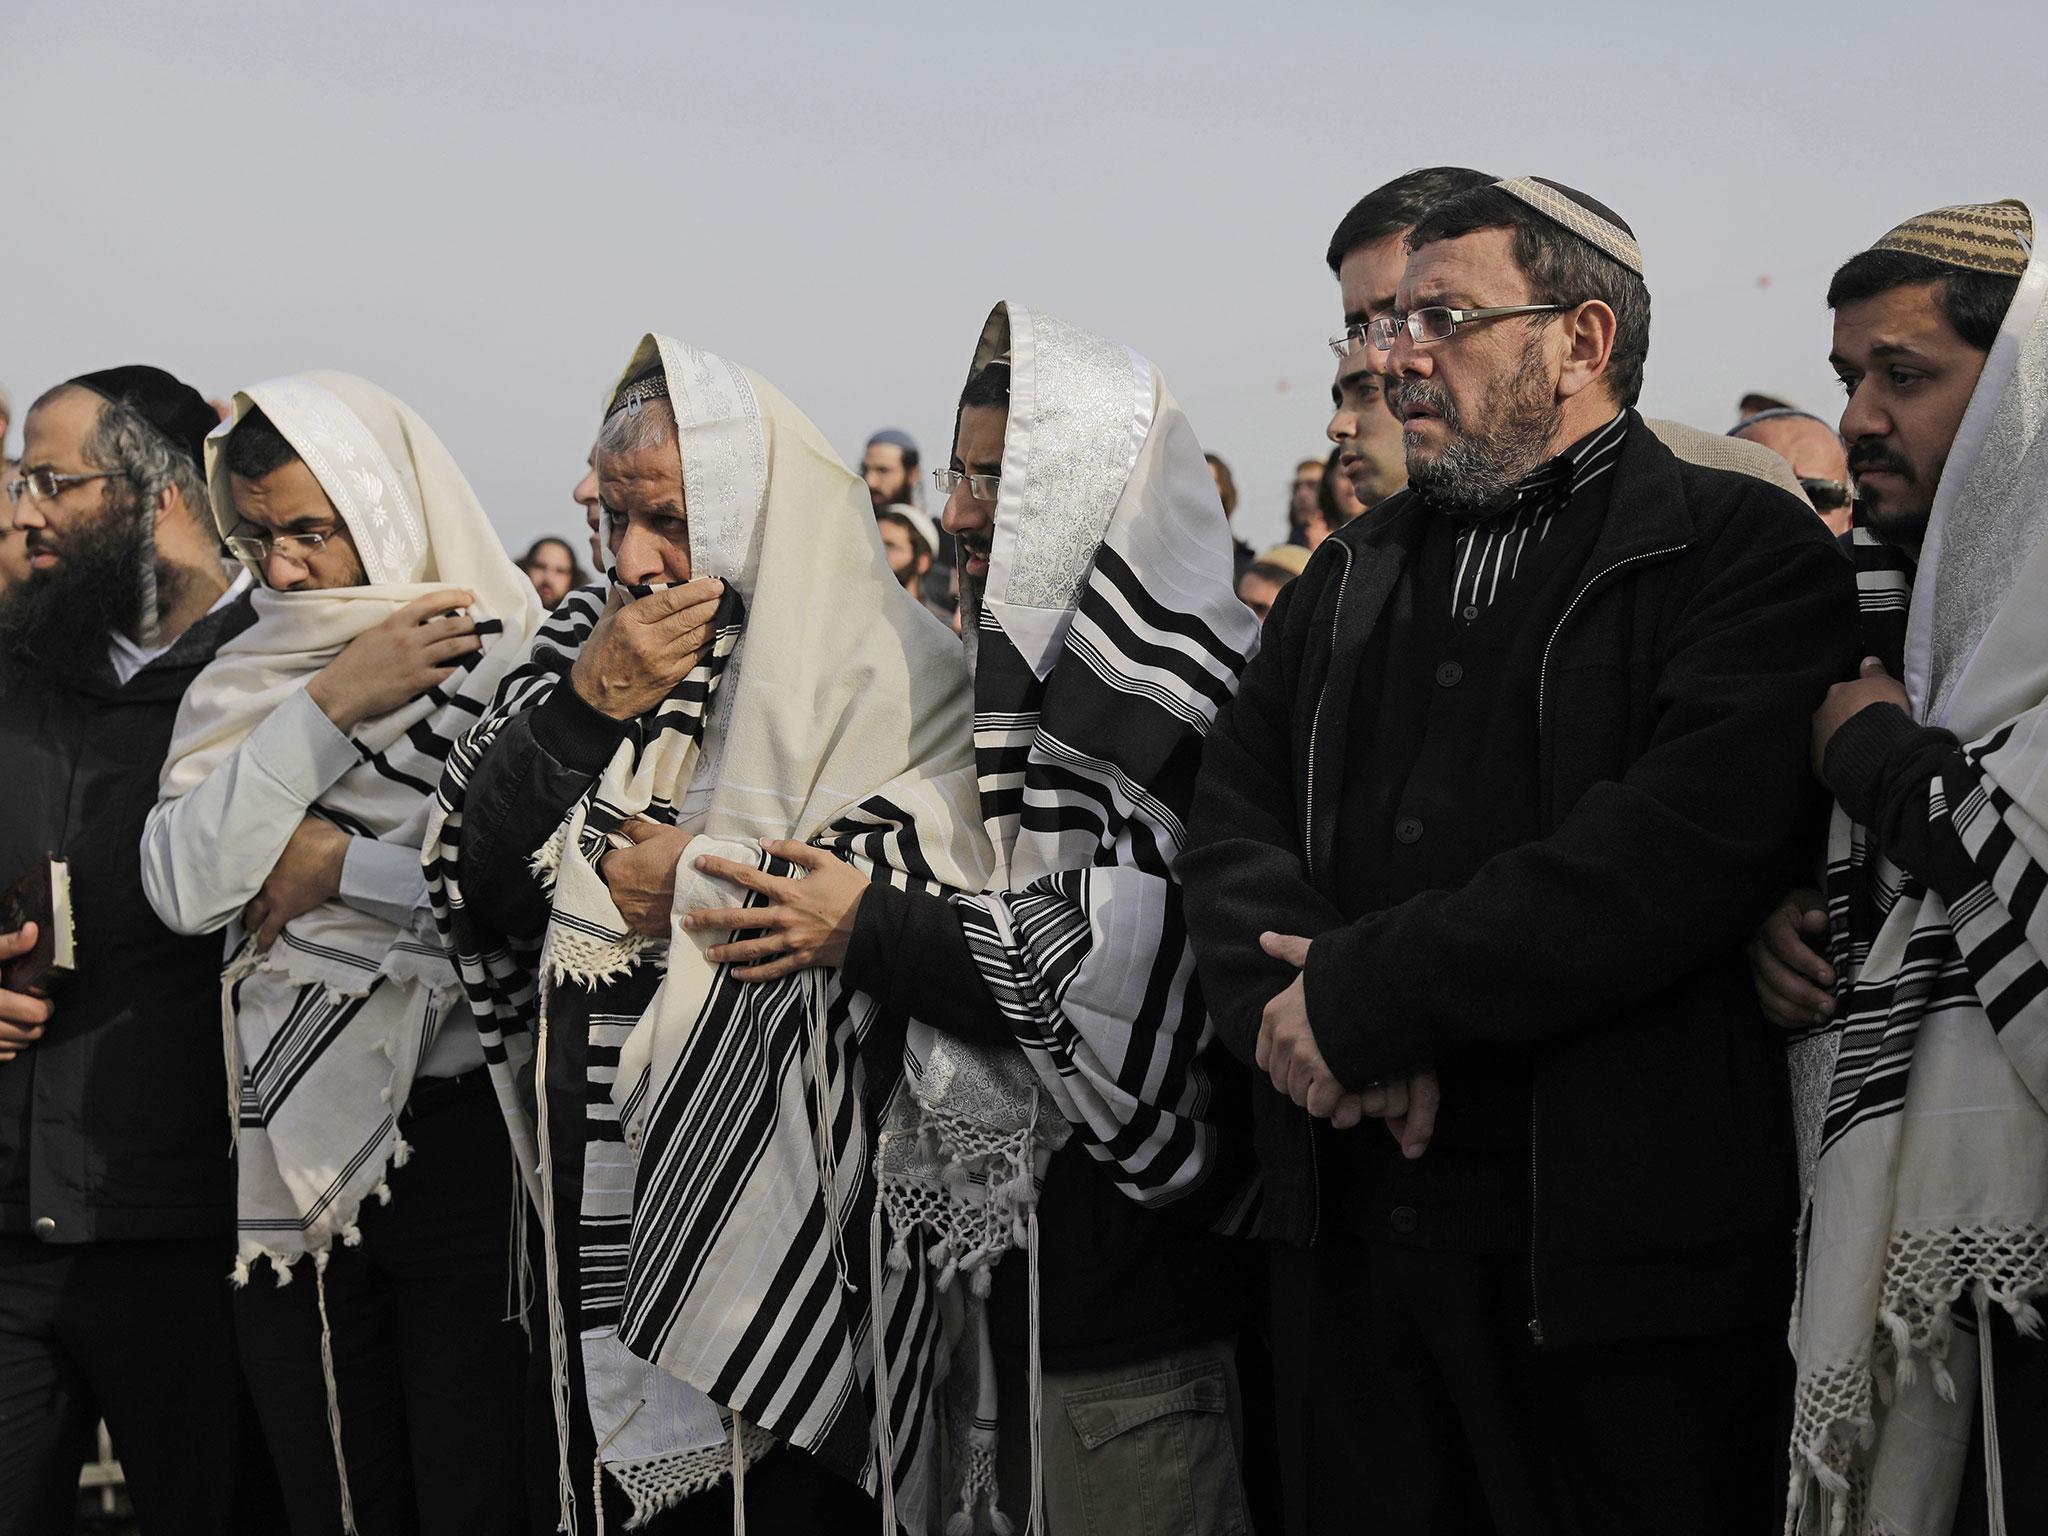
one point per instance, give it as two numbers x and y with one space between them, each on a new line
1587 411
200 589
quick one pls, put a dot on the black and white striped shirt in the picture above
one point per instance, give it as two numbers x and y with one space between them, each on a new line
1490 549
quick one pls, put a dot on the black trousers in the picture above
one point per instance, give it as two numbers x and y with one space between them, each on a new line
1411 1399
137 1333
428 1371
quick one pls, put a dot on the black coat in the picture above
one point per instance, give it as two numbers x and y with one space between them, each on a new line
114 1125
1674 703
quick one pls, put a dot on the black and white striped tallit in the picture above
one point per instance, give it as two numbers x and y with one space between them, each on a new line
1929 1199
727 1147
1107 638
323 1033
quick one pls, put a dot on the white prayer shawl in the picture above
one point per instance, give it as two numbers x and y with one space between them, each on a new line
324 1032
833 710
1108 637
1931 1188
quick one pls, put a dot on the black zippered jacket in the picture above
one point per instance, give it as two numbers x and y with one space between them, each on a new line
114 1125
1674 705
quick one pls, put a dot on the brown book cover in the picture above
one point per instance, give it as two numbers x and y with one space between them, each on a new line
43 897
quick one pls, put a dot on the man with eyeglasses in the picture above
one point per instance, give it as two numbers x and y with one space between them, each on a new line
1815 452
116 1183
1501 795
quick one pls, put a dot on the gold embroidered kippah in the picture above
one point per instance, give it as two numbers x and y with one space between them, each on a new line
1978 237
1598 226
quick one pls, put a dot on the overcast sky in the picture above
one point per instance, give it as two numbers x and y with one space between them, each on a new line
482 206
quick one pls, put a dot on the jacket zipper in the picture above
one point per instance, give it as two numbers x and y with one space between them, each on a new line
1308 850
1542 689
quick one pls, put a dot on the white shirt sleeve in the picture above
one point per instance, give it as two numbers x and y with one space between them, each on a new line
206 854
385 880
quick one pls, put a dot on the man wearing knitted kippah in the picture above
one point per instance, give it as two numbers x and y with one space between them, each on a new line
1521 756
1922 1036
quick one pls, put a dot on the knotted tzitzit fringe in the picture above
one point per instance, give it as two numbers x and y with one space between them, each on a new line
739 1475
597 1465
243 964
519 1260
348 1508
558 1345
885 1436
827 1155
1994 1473
1037 1522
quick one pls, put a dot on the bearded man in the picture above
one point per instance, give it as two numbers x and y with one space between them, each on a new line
116 1184
291 812
1922 1376
1060 1036
1512 770
703 1149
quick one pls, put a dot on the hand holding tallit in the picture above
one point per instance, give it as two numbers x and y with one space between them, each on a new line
307 875
393 663
641 649
642 878
805 923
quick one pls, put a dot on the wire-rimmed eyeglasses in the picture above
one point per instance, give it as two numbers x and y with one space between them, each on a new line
1439 322
48 485
256 548
980 487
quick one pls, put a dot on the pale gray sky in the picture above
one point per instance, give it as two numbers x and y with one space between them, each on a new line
482 206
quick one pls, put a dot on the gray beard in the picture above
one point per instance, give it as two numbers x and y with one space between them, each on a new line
1478 467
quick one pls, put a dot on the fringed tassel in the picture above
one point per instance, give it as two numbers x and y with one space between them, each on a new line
885 1438
597 1467
1037 1523
1994 1475
827 1156
348 1508
518 1260
231 975
558 1343
739 1475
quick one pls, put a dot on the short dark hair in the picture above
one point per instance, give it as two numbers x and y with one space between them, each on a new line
1561 268
1399 205
1226 483
990 386
1974 302
1326 491
256 448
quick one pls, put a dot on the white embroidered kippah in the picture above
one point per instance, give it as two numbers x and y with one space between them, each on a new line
1591 224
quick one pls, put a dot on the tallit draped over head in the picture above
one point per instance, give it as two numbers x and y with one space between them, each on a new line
1104 641
727 1153
1931 1188
325 1031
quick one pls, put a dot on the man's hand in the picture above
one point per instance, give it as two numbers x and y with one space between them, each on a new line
1287 1051
807 922
642 878
1873 685
393 663
307 874
22 1014
1408 1105
1792 980
640 650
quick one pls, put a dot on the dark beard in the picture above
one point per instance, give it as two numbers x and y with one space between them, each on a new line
1901 527
63 620
1480 466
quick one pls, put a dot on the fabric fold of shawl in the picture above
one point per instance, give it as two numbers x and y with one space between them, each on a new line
324 1033
1930 1195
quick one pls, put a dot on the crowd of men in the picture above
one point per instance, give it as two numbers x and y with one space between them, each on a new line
1051 1016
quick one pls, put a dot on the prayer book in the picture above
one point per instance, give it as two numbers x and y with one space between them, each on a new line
43 897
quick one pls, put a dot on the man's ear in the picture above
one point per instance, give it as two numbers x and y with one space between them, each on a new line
1589 335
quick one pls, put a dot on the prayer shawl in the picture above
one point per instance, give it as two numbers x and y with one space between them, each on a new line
726 1160
324 1032
1108 637
1930 1198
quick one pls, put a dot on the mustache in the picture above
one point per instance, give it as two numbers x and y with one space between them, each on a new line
1423 392
1865 456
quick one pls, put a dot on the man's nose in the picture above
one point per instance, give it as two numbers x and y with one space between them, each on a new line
963 514
1343 427
1862 416
25 513
282 572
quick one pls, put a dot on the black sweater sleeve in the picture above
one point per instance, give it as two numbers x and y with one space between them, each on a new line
909 953
1880 765
541 763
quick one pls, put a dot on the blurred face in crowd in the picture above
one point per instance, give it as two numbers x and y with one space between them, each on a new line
883 469
288 506
908 559
13 551
1368 278
1480 408
647 522
1301 502
977 450
1258 592
1909 376
585 496
1817 457
552 570
1370 454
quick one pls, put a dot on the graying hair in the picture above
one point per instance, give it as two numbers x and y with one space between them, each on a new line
651 425
125 442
